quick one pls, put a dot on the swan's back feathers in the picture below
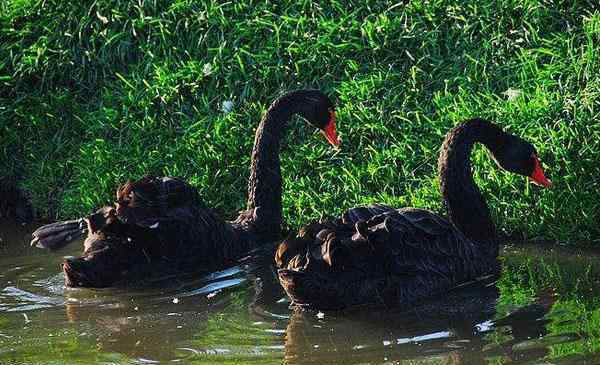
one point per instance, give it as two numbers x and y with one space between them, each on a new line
354 215
145 201
157 222
376 249
173 209
368 235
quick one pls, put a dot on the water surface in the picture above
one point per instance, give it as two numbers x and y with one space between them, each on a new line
543 309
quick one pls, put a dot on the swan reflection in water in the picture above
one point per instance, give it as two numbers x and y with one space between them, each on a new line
459 328
462 327
239 315
156 319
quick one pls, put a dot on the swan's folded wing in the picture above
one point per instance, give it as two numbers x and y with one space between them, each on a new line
355 215
380 241
420 239
150 199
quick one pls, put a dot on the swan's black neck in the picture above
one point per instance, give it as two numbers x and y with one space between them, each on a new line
265 182
467 209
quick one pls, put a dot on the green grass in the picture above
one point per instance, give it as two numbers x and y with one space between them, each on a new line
93 93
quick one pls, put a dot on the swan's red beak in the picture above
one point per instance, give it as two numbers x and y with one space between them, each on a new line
537 176
329 131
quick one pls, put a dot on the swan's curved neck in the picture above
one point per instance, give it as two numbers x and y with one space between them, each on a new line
265 182
467 209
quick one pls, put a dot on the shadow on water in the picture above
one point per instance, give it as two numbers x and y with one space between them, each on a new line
542 309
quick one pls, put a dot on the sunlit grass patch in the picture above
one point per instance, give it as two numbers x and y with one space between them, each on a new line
94 93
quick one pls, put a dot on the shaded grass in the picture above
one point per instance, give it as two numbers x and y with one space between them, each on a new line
93 93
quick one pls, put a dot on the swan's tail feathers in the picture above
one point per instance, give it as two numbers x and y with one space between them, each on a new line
59 234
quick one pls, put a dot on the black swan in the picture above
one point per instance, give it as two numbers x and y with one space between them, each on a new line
378 254
161 221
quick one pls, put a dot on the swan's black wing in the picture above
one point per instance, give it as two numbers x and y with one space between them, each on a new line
143 204
395 256
150 199
294 247
355 215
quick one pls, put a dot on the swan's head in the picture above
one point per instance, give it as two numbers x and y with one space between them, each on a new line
520 157
319 111
103 263
108 253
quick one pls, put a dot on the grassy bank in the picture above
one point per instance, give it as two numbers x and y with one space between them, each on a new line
93 93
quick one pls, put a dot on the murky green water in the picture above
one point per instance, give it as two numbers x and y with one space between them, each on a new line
544 309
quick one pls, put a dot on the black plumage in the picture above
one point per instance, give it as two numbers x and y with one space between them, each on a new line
161 222
379 254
